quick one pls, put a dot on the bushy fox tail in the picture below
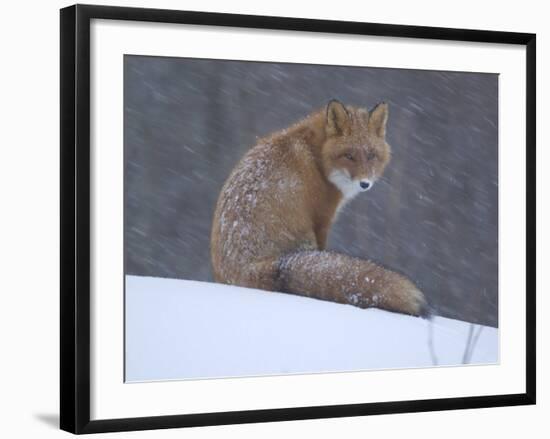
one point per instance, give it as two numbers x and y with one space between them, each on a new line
345 279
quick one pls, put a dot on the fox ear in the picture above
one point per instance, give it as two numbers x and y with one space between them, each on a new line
378 118
337 118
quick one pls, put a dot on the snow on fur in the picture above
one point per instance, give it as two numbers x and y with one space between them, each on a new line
276 208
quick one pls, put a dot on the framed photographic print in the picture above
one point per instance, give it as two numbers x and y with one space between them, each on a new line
267 218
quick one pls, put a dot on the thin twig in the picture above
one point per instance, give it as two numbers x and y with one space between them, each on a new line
474 342
468 342
431 347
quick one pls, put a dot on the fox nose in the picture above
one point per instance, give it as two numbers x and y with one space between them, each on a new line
365 184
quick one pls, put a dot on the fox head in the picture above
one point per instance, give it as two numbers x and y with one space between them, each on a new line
355 151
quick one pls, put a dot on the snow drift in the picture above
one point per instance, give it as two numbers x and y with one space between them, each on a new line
180 329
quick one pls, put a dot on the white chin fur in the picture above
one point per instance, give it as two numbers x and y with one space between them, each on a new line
345 184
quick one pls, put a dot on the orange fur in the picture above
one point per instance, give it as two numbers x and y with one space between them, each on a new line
276 208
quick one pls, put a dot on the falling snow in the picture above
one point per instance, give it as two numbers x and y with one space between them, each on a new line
433 216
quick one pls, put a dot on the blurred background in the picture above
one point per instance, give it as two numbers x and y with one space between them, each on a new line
433 216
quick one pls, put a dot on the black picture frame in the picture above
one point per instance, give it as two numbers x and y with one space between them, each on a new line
75 217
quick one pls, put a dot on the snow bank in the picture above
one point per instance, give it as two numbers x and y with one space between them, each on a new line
180 329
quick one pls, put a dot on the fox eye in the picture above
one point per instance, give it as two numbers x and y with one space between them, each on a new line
371 156
349 156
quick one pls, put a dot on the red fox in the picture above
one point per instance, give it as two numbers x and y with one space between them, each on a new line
275 211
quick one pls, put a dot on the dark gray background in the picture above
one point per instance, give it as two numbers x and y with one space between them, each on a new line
433 217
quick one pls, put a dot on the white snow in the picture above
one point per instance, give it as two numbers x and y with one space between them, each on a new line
180 329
